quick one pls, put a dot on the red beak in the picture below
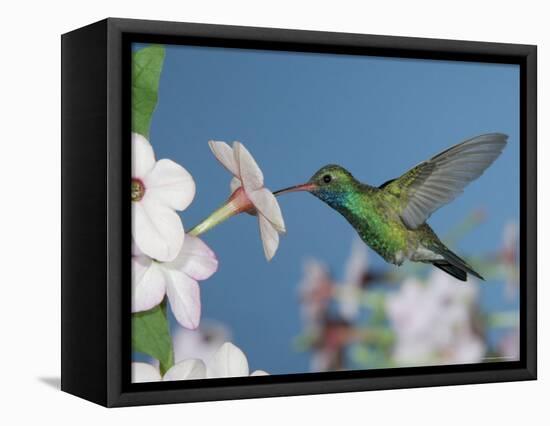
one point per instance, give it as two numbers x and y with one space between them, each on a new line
296 188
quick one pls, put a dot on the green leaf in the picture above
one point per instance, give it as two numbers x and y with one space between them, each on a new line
151 336
146 68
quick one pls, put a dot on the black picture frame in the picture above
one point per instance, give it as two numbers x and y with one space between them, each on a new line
96 215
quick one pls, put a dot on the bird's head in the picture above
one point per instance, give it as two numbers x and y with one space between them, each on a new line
330 183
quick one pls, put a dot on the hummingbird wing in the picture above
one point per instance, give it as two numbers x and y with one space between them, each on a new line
439 180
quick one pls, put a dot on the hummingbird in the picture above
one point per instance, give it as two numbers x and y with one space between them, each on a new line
391 218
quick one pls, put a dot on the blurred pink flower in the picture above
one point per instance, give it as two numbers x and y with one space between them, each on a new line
316 290
330 345
509 346
159 188
509 258
152 280
350 291
433 321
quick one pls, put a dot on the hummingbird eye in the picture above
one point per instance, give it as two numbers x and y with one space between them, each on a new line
327 178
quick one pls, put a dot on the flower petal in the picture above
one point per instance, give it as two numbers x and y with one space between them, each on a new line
196 259
259 373
250 173
269 236
266 203
144 373
148 284
184 295
190 369
235 184
135 249
224 153
170 184
143 156
157 229
228 361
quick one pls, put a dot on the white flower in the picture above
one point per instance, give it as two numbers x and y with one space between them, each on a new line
158 189
190 369
228 361
152 280
249 192
433 323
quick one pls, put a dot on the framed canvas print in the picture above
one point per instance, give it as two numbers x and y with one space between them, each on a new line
253 212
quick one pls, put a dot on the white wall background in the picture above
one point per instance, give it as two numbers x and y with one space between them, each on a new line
30 210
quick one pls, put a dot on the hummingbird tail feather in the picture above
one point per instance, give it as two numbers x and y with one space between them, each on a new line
453 264
458 273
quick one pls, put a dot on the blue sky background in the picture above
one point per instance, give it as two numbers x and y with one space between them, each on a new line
296 112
